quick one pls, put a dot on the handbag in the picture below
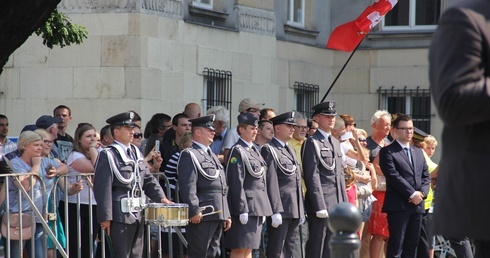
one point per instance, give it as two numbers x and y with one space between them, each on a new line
27 227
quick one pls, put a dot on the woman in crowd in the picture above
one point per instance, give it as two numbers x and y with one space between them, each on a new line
137 137
81 161
30 145
154 157
154 130
246 180
57 226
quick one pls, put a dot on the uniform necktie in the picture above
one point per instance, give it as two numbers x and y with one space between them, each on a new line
130 153
407 151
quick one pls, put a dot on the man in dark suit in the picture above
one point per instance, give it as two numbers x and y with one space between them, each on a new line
202 182
407 183
324 178
459 73
284 186
118 170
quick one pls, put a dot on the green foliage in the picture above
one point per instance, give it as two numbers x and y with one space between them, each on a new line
58 30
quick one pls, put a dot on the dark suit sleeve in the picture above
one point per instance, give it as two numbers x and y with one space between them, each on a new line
457 68
272 181
393 177
103 187
314 191
188 182
235 173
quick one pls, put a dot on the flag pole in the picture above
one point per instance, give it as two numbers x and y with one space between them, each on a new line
341 70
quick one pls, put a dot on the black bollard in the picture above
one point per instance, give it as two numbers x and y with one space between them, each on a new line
344 221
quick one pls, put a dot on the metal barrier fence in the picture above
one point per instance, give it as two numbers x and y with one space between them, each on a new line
47 218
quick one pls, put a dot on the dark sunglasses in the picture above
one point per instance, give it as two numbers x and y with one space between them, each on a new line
362 139
137 135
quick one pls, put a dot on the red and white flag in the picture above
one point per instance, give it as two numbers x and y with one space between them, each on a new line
348 35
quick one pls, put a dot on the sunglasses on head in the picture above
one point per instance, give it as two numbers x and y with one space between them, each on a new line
137 135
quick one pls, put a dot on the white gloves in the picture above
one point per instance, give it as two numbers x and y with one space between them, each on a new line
322 214
276 220
302 220
244 218
263 219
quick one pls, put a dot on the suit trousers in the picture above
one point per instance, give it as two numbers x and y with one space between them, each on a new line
127 239
317 244
283 239
404 228
203 239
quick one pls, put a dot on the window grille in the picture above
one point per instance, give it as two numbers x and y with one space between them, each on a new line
306 96
217 88
413 102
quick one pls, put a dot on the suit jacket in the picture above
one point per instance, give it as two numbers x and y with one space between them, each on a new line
247 194
324 187
285 192
196 190
403 178
109 191
459 74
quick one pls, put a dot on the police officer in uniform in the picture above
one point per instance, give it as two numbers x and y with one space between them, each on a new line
284 185
249 203
324 178
202 183
122 180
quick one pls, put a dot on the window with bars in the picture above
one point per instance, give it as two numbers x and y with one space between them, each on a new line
305 97
413 102
217 88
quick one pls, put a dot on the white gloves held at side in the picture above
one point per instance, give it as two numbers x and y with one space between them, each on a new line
244 218
276 220
322 214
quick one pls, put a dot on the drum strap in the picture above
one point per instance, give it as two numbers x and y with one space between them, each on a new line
246 162
317 150
285 171
198 167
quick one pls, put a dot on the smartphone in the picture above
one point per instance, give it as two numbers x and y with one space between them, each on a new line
157 145
346 136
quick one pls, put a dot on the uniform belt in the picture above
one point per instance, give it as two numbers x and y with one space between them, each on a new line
223 190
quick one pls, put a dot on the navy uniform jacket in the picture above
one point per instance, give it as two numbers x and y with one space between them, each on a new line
324 188
196 190
108 190
284 190
247 194
403 178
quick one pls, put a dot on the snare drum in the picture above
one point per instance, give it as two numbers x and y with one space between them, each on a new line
167 215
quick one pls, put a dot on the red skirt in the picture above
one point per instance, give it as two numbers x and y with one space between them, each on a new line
378 223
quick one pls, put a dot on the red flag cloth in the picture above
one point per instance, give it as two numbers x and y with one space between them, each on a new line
348 35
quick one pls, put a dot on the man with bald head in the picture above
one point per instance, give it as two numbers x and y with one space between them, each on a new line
192 110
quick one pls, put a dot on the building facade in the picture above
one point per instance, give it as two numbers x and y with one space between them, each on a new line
157 55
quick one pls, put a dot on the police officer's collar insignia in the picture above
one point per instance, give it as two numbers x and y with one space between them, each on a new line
233 160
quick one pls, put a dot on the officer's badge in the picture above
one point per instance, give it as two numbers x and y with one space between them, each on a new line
233 160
